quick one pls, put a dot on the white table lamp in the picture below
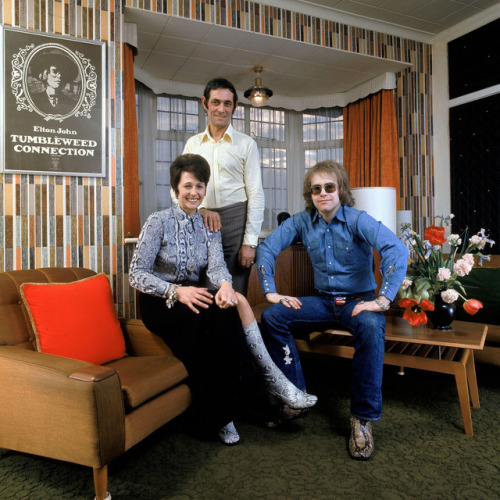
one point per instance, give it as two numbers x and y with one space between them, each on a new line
379 202
403 217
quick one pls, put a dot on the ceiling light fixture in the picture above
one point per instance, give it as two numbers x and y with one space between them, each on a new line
258 95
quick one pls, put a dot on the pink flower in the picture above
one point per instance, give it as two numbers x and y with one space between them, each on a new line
443 274
462 267
469 258
449 296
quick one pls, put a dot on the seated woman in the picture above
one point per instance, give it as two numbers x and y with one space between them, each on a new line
200 325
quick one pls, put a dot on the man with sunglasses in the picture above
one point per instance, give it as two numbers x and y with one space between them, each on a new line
339 240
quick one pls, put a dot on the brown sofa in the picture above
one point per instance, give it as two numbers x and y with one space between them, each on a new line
72 410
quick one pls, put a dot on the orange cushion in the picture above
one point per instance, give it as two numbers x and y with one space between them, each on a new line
75 320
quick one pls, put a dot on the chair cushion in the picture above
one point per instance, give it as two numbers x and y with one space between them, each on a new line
75 320
144 377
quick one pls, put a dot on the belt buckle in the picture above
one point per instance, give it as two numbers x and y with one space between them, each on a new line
340 301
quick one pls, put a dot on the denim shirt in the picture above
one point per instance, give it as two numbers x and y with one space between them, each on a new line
174 247
341 252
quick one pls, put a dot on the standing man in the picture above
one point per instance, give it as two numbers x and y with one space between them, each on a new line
234 202
339 240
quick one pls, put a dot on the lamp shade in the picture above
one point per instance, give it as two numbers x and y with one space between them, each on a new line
403 217
379 202
258 94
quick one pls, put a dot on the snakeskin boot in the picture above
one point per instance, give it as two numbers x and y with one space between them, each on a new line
277 385
361 443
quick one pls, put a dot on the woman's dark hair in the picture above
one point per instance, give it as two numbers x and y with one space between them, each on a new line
220 83
328 167
195 164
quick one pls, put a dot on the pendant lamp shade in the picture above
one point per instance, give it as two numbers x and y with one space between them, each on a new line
258 94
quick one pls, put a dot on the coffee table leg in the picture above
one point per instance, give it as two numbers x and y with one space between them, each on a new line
463 391
472 379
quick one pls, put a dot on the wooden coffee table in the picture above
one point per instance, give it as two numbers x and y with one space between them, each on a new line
418 347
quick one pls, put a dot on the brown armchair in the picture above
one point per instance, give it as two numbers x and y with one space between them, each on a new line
72 410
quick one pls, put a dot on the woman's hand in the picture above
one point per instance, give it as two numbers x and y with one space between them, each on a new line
193 296
286 300
226 296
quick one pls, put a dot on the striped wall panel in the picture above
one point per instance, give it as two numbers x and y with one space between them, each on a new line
66 220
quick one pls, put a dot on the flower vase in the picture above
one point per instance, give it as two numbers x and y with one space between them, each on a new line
443 314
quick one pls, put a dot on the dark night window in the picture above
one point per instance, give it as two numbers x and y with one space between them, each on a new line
475 167
474 60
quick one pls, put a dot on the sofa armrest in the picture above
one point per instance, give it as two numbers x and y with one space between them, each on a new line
140 341
60 408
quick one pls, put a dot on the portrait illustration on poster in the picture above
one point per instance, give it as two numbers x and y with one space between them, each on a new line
54 83
54 108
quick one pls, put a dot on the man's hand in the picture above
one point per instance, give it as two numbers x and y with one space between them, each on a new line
286 300
246 256
193 296
211 220
369 306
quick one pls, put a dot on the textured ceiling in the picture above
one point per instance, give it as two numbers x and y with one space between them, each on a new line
181 50
429 16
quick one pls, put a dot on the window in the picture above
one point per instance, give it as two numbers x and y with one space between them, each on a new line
289 142
323 132
474 119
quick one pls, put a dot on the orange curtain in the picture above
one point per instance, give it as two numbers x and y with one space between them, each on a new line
371 142
131 217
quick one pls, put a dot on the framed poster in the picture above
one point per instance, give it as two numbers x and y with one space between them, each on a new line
53 104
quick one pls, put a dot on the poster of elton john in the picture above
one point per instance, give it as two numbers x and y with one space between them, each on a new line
53 96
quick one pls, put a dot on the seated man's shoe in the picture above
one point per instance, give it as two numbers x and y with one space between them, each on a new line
361 443
229 435
283 413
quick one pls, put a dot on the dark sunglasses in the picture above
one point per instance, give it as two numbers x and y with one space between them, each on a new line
331 187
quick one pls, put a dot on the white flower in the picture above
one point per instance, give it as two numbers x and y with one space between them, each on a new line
478 240
406 283
462 267
443 274
454 239
449 296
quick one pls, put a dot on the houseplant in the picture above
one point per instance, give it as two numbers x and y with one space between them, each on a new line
432 285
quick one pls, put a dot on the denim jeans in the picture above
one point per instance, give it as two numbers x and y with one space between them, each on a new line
280 324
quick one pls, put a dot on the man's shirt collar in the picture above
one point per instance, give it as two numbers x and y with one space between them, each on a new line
339 214
228 135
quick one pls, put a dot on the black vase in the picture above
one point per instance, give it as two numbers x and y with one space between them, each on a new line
443 314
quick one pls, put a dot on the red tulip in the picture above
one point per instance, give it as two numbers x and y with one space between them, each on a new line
414 313
472 306
435 235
